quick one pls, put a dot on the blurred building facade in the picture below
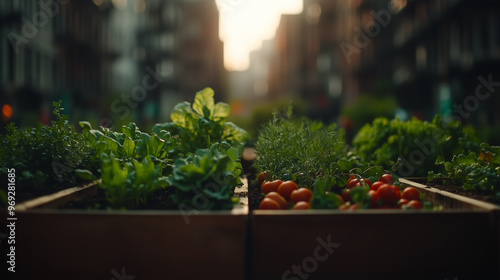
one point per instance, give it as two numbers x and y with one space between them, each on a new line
112 60
180 40
431 55
51 50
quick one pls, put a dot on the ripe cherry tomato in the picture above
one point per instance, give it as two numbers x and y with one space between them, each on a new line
389 194
356 206
376 185
301 205
358 182
302 194
278 198
415 204
286 188
411 193
386 178
263 176
350 179
346 196
402 201
373 199
368 182
269 204
343 207
272 186
352 183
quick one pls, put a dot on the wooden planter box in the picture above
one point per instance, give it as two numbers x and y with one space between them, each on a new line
96 244
459 242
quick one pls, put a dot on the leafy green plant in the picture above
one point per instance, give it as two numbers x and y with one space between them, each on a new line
131 144
129 184
415 143
472 171
302 150
202 124
206 179
45 157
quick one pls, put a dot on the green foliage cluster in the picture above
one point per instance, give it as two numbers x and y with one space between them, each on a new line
129 183
207 178
134 164
302 150
197 148
182 154
45 157
417 144
472 171
202 124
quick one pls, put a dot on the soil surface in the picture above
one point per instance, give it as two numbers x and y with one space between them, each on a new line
478 195
160 200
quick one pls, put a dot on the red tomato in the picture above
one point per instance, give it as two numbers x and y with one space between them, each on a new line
278 198
368 182
415 204
301 205
373 199
386 178
272 186
376 185
302 194
358 182
350 179
355 206
346 196
402 201
263 176
411 193
352 183
389 194
286 188
269 204
343 207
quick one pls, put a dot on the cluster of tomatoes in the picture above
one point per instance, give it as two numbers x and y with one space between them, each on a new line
283 194
382 194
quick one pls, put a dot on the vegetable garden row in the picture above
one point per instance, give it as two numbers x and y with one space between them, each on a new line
180 202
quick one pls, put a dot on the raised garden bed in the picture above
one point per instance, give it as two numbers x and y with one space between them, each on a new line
459 242
148 244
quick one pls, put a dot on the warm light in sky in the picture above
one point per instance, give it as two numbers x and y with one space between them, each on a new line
244 24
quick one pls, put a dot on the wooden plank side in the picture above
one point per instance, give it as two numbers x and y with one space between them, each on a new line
449 200
91 246
393 245
59 198
82 244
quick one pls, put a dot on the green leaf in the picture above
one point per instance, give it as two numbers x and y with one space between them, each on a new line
234 133
85 125
144 170
155 145
182 114
221 111
233 154
85 174
129 147
204 103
